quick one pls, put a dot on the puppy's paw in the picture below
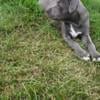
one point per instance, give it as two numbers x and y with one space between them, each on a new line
86 58
96 59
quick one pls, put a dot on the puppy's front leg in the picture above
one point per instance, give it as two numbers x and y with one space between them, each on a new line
91 47
84 21
81 53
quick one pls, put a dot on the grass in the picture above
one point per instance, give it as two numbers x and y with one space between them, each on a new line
34 59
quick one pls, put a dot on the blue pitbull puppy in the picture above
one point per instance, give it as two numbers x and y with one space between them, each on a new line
73 18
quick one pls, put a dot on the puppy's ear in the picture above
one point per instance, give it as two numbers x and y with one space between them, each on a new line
73 5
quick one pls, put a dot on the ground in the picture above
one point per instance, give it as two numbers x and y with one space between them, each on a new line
36 63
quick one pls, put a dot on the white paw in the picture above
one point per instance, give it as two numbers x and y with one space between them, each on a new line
87 58
96 59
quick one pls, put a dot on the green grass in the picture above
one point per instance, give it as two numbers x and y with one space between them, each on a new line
36 63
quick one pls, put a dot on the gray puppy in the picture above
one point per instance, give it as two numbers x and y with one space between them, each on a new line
74 20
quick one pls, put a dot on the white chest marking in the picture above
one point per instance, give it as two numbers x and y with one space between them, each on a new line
73 32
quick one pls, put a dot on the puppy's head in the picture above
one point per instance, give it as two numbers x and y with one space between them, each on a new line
58 9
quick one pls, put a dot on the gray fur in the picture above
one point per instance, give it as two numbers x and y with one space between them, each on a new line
73 5
72 12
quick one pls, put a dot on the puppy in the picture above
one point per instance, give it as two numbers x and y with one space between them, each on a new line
73 18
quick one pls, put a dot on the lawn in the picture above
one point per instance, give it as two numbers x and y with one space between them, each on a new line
36 63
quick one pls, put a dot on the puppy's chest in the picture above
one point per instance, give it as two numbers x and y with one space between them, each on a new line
73 30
